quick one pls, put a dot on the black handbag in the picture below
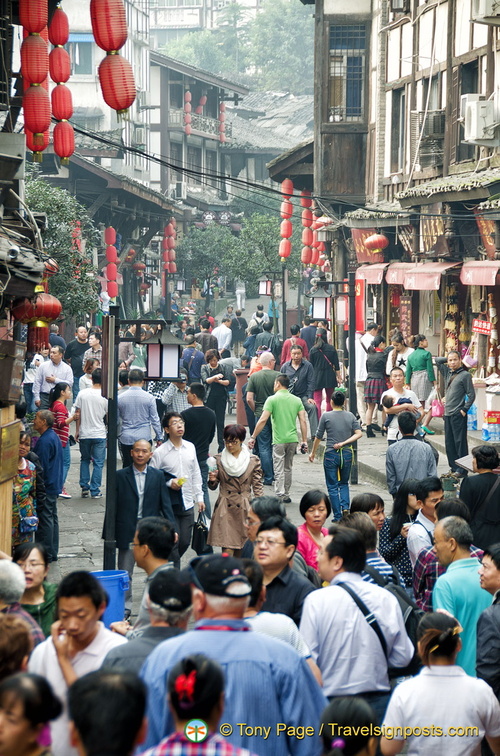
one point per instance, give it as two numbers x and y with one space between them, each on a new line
200 535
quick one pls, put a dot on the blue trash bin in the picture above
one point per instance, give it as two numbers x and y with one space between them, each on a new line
115 583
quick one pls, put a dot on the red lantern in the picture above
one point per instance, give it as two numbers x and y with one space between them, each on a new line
307 218
33 15
285 248
169 230
198 110
187 107
131 253
222 107
187 117
166 266
222 117
173 267
165 257
222 137
286 209
139 266
287 188
321 247
117 82
44 307
109 235
34 59
112 289
109 23
64 140
285 229
111 271
36 149
307 237
164 243
222 128
203 100
170 242
188 96
315 242
62 103
187 129
314 257
376 242
111 253
59 28
59 65
36 105
306 255
171 255
305 198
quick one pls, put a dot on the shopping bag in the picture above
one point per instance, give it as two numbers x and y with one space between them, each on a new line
200 534
437 406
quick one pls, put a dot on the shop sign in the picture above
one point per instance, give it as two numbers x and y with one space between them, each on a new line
405 303
432 238
486 228
481 326
364 255
405 235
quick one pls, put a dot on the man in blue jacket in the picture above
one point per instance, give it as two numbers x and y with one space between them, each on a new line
50 453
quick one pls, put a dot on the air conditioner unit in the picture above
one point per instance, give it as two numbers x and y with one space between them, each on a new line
140 136
466 98
144 99
486 12
479 123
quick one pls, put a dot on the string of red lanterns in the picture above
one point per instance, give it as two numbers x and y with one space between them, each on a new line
168 245
187 113
222 122
286 213
112 259
62 102
33 16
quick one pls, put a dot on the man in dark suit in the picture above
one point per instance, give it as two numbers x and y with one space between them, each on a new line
141 491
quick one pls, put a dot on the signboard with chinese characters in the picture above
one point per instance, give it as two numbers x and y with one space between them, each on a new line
481 326
9 450
364 255
486 228
405 236
432 238
405 304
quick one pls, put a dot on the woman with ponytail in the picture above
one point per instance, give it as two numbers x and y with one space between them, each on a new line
349 728
196 692
446 710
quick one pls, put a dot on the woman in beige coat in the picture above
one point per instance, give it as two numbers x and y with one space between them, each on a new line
238 474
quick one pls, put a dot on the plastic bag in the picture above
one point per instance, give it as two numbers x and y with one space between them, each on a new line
437 408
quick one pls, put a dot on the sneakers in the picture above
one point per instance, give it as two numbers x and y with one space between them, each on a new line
85 493
286 500
97 496
64 494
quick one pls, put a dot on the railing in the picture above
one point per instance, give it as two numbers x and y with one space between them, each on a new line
200 123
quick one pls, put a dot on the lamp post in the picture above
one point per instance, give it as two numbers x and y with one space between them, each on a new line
268 287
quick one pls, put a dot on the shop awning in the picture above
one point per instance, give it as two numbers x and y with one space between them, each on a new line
397 271
373 274
426 276
480 272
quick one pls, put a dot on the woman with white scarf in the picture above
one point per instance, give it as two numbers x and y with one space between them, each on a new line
238 473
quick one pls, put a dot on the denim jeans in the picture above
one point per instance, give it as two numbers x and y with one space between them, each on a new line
337 466
265 452
92 449
66 461
47 532
28 395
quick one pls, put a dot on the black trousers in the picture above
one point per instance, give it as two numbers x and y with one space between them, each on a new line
455 431
218 402
184 526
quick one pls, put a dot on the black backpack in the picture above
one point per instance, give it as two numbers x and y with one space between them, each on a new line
411 616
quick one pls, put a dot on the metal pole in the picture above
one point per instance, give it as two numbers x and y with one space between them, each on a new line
353 405
109 556
284 282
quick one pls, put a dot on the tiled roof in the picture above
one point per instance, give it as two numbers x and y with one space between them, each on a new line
454 183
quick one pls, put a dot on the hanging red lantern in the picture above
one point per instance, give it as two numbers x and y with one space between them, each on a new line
287 188
315 242
110 235
111 253
131 253
187 96
117 82
109 23
59 65
314 257
285 248
286 229
34 59
286 210
62 103
36 106
222 117
64 141
166 266
169 230
306 255
307 237
203 100
321 247
222 107
222 137
187 129
165 257
170 242
187 107
187 117
173 267
111 271
112 289
222 128
164 243
171 255
307 218
33 15
139 266
36 149
44 307
59 28
376 242
199 110
305 198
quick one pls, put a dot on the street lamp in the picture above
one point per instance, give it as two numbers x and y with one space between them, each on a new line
321 299
265 286
180 284
164 355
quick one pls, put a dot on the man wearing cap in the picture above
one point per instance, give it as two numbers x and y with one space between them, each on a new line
169 607
268 685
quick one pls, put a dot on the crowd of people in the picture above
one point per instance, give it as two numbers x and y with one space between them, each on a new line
346 635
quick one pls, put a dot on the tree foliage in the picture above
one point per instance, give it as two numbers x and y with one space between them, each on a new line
68 238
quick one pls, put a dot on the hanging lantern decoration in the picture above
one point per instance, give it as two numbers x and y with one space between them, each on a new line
33 15
111 253
285 248
139 267
59 65
34 59
307 237
171 255
59 28
376 242
305 198
38 313
62 103
112 289
36 106
117 82
110 235
314 257
169 242
286 209
187 113
222 125
287 188
109 24
173 267
306 255
35 149
111 271
307 218
286 228
169 230
315 242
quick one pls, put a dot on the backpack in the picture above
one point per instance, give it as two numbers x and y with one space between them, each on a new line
411 616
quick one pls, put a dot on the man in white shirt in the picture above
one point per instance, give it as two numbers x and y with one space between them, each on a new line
177 458
363 342
92 409
396 393
342 643
429 493
78 644
48 374
224 337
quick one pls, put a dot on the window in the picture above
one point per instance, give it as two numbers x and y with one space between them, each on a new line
81 55
398 130
194 164
469 84
211 164
347 73
176 159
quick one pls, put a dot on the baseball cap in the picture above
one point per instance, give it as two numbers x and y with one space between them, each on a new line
170 590
219 575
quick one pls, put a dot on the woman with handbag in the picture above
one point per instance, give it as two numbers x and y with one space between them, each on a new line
325 361
238 473
420 376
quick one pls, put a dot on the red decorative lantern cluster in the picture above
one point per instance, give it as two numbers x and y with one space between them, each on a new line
139 268
130 255
33 16
376 242
187 113
201 105
168 245
222 122
62 103
112 258
109 24
38 313
286 213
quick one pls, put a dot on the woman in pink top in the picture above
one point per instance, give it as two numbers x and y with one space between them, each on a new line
61 393
314 507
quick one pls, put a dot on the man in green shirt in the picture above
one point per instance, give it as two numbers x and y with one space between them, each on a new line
259 388
283 408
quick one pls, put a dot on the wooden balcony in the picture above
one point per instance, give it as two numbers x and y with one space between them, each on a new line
201 125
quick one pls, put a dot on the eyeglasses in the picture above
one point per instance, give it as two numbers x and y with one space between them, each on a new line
248 521
133 543
30 565
176 422
269 542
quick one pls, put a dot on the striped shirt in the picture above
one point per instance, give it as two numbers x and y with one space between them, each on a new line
178 745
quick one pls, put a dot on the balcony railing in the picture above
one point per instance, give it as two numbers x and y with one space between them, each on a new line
199 123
